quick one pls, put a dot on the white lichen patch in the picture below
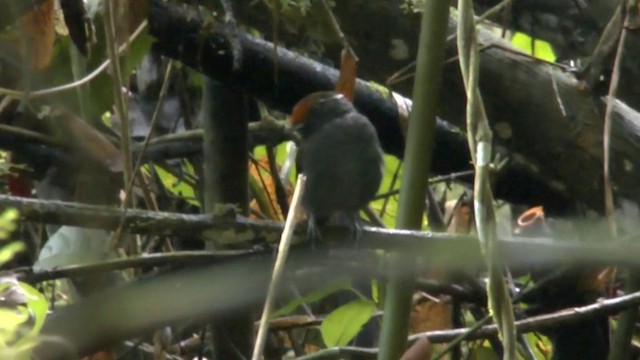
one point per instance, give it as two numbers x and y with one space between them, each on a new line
503 130
398 50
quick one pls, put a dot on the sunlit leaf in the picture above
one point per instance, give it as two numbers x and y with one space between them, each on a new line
37 304
10 322
391 208
8 219
343 324
22 313
8 252
177 186
540 49
541 345
375 291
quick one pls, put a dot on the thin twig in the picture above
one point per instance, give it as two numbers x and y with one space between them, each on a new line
72 86
479 136
621 340
278 269
606 137
22 134
281 191
120 103
149 260
337 31
129 185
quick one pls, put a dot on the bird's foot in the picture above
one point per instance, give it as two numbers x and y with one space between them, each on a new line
355 228
313 232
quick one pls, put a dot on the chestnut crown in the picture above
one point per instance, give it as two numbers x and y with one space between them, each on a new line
318 109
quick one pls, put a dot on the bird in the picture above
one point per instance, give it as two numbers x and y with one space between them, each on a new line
340 156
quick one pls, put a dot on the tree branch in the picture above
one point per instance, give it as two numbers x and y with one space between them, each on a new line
437 249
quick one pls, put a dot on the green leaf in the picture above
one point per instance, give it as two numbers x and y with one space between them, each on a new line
10 321
344 323
315 296
375 291
541 49
391 164
8 219
7 226
541 345
261 196
21 317
483 353
37 303
281 156
176 186
7 252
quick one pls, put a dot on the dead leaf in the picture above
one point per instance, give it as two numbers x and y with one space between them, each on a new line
347 81
430 315
262 174
85 141
39 35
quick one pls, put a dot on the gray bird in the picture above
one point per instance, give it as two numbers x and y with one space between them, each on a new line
340 156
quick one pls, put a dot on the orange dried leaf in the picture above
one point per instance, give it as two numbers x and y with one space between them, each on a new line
429 315
39 35
347 81
262 174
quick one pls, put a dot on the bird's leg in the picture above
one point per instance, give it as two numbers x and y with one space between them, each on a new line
355 227
313 231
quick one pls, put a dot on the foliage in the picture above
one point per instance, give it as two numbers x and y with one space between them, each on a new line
535 47
21 321
387 206
178 186
7 225
344 323
312 297
24 309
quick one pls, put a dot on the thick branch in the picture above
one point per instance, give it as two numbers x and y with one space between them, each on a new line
438 249
208 48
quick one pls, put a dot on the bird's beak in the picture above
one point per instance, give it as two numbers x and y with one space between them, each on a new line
293 129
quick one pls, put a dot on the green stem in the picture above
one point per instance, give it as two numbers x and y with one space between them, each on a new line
417 166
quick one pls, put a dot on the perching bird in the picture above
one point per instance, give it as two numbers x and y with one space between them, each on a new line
340 156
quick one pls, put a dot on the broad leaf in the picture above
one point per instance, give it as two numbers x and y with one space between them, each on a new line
312 297
344 323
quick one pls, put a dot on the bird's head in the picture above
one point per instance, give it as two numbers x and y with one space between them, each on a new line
318 109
